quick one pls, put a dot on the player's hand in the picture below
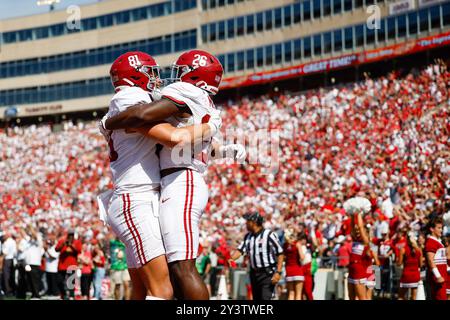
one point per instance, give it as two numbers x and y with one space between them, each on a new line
215 122
102 127
156 93
276 278
237 152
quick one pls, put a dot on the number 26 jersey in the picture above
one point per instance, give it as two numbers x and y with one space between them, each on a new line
198 103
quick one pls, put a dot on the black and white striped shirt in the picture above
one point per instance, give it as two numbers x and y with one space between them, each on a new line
262 248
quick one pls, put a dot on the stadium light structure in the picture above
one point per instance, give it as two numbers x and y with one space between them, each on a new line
50 3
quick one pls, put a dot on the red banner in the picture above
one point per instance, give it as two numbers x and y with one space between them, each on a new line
396 50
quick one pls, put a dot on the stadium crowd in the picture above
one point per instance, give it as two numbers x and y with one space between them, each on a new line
386 139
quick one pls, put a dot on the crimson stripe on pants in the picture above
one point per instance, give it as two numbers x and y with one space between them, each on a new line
186 203
125 213
141 245
190 214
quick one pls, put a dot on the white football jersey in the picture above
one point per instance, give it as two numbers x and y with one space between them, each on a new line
201 106
133 159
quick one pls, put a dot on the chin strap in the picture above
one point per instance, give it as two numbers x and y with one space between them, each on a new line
210 89
129 82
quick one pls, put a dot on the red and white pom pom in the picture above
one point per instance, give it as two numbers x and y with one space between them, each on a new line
357 205
446 219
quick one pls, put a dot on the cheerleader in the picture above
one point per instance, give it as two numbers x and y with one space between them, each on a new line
294 271
446 220
357 277
410 257
306 259
436 257
447 240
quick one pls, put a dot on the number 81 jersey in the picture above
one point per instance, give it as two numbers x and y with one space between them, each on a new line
133 159
198 103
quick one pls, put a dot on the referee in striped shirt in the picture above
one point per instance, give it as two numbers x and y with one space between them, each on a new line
266 257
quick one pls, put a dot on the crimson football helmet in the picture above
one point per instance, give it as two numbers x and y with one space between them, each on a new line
199 68
135 69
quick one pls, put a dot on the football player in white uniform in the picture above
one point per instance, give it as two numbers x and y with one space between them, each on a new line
133 207
196 76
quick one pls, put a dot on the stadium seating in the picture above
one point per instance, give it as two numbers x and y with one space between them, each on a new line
386 137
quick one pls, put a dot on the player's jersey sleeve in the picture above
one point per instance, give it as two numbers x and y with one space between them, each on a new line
126 98
189 98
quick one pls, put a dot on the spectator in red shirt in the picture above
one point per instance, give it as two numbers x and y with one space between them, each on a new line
69 249
399 242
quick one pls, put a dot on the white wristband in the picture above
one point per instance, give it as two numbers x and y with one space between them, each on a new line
436 273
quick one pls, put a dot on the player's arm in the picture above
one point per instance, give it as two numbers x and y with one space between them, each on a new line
170 136
143 115
434 269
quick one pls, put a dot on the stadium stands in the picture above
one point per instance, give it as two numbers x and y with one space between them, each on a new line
385 138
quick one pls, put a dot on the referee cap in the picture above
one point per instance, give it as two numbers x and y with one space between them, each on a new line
254 216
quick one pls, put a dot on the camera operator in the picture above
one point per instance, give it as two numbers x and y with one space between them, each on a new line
69 249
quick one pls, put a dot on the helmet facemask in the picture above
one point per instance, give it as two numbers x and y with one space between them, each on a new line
153 75
177 72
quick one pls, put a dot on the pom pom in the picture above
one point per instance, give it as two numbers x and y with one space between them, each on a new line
412 237
446 219
357 205
289 235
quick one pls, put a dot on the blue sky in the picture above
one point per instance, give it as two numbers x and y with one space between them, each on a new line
19 8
